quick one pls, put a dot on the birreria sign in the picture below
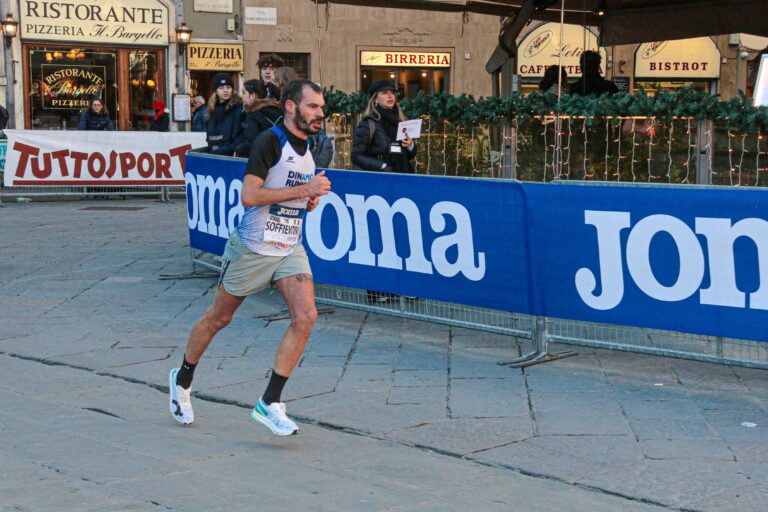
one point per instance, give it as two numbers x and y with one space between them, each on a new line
124 22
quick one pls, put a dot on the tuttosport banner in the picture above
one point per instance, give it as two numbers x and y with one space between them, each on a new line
84 158
691 260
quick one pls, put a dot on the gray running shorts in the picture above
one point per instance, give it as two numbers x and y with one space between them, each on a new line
246 272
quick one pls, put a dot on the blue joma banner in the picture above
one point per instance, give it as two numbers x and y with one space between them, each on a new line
686 260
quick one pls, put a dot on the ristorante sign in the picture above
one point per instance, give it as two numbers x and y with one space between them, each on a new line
71 87
124 22
406 59
542 48
684 58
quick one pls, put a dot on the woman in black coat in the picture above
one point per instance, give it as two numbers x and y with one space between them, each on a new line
375 147
224 127
95 117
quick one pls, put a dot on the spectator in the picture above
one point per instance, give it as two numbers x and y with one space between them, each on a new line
161 121
375 147
261 111
591 82
224 126
95 117
267 65
4 116
283 76
549 83
198 117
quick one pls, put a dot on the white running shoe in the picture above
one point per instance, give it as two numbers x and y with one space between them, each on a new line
274 418
181 405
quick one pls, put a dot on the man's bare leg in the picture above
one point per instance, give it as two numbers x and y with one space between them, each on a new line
299 293
213 320
217 317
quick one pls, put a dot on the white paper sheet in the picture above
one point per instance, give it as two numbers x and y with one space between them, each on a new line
413 127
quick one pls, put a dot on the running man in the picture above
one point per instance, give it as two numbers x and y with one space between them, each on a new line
280 185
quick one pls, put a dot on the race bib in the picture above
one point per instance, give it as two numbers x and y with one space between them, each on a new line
283 226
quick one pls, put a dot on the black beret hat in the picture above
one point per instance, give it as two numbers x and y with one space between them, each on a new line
380 86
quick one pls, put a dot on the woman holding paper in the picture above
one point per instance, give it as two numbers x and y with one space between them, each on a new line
376 146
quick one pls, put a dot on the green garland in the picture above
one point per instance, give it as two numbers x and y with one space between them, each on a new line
737 114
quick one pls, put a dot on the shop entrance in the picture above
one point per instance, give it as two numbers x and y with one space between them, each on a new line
60 82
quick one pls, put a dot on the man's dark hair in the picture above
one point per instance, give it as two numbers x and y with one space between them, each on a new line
270 60
590 62
294 90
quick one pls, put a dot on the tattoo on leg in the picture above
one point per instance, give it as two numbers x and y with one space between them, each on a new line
303 277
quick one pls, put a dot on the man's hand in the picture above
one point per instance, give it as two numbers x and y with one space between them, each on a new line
319 186
312 203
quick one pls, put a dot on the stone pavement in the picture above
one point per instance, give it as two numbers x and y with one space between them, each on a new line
396 414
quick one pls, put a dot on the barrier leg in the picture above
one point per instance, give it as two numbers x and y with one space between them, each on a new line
540 352
194 273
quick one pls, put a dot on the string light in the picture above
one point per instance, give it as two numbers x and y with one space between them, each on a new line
709 151
651 133
429 141
584 131
632 157
568 149
618 157
741 160
730 158
607 144
445 139
544 125
669 151
757 160
458 139
688 160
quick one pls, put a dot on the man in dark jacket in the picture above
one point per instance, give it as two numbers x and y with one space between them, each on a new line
375 146
591 82
224 129
198 118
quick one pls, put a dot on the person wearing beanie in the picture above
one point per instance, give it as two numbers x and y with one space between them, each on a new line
223 126
375 146
161 121
261 111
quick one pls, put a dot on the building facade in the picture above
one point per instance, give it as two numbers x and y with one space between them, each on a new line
126 52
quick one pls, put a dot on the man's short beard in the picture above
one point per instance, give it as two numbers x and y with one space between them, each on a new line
304 124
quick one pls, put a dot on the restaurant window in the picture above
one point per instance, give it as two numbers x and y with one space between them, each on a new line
300 62
409 81
62 82
143 87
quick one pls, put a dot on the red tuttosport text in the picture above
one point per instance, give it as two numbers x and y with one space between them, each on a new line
97 165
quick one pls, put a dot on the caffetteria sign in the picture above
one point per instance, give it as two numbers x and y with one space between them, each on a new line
542 48
123 22
684 58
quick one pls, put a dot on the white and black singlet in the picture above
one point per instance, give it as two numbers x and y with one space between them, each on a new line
282 160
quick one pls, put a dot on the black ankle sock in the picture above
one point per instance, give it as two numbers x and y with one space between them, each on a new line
186 372
274 388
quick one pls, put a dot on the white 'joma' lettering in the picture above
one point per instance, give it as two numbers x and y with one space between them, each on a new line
468 263
720 234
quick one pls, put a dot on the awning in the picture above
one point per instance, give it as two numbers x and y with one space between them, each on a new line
623 21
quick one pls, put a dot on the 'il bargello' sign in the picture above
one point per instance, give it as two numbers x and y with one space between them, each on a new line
124 22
